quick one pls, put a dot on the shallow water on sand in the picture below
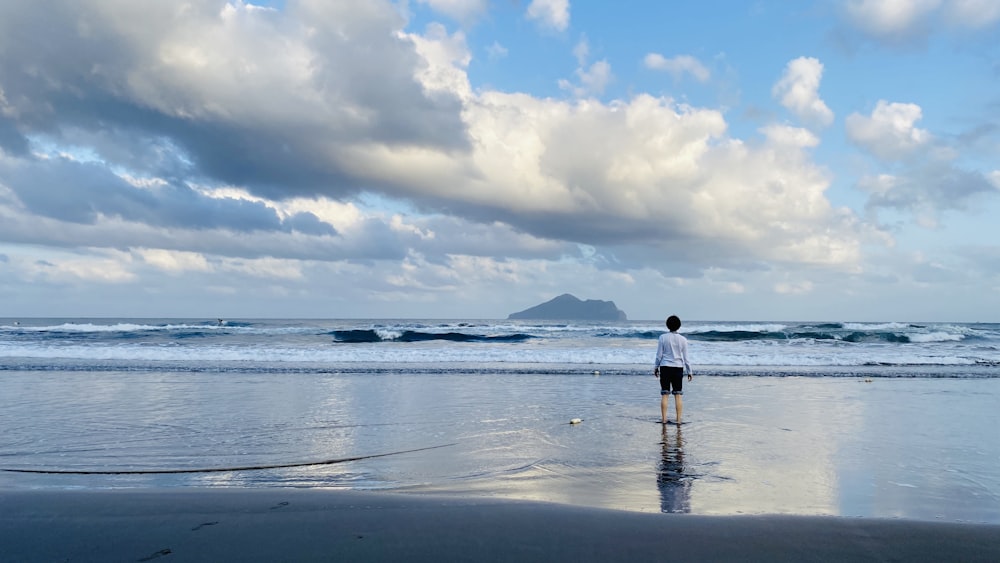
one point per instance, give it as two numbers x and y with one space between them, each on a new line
911 448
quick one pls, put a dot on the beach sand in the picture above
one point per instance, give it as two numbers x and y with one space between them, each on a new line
327 525
764 469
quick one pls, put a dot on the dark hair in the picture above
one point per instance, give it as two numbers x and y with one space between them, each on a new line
673 323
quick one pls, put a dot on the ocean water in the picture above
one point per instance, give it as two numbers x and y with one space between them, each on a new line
874 419
834 348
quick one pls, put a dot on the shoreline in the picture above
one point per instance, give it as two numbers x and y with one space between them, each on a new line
324 525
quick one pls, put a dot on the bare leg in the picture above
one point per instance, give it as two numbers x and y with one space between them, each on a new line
680 407
664 401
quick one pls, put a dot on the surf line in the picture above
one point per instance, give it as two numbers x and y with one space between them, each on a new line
219 469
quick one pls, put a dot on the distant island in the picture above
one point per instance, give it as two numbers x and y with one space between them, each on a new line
569 307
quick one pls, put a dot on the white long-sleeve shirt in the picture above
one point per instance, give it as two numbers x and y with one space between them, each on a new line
672 350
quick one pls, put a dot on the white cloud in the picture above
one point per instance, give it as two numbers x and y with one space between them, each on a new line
5 108
593 80
496 51
446 59
890 132
581 51
464 11
344 216
174 262
734 287
784 135
678 66
879 185
887 18
927 189
597 77
794 288
106 266
283 113
798 91
927 176
550 13
901 22
275 268
599 173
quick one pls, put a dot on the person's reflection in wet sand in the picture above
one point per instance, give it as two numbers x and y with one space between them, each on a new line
674 484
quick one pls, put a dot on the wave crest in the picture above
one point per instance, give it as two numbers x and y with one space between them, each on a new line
361 336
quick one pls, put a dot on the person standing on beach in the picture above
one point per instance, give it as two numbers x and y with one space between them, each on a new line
671 364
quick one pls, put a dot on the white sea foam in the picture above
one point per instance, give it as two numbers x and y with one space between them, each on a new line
751 327
876 326
473 353
117 327
935 337
388 334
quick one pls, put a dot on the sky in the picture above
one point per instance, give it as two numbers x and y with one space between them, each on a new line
831 160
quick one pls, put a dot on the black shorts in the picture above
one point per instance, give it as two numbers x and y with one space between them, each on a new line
671 380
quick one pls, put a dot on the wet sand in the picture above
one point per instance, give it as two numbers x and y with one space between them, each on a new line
324 525
911 448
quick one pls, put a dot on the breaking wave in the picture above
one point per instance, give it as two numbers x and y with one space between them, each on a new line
356 336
